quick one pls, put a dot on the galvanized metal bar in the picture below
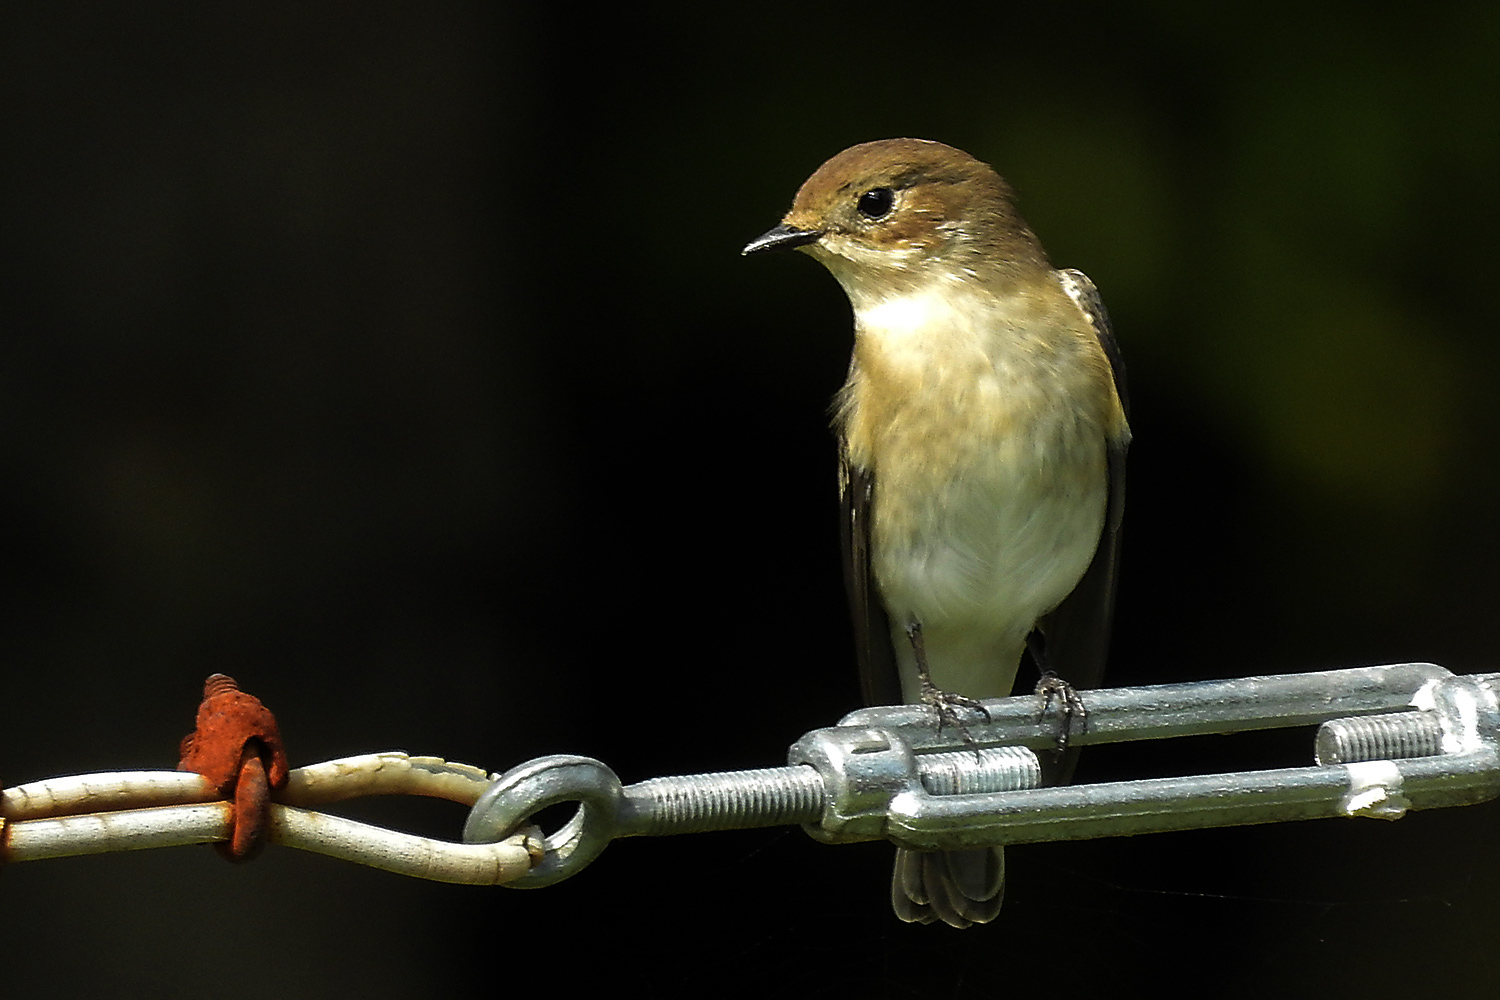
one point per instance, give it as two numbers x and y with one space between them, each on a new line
1381 789
1163 711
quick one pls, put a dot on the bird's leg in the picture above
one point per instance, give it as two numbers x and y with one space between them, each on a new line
1050 688
944 703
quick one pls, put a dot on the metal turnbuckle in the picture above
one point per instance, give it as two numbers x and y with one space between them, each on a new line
1392 738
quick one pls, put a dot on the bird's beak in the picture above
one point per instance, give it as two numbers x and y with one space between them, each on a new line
782 236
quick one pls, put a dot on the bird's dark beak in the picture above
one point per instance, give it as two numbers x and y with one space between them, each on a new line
782 236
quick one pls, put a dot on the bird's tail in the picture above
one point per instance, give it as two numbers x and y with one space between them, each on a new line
959 888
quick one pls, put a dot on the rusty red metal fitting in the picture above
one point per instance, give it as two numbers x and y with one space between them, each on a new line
237 747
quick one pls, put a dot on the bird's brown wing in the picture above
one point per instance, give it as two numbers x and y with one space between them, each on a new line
1076 632
879 681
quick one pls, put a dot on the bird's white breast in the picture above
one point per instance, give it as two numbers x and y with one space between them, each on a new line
990 477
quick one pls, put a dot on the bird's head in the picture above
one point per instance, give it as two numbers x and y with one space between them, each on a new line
902 213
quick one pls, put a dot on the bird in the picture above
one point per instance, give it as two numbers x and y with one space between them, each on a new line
982 429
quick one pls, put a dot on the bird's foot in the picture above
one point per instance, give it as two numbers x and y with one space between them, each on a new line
947 704
1069 706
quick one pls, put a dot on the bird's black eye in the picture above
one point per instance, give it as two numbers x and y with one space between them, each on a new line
876 203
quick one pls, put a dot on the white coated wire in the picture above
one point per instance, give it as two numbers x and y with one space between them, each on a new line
135 810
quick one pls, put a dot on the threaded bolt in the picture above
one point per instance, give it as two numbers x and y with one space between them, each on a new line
777 796
730 800
1395 736
964 772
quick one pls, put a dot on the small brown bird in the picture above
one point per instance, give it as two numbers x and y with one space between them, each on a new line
983 433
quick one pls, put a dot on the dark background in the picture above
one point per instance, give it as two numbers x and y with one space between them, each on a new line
400 361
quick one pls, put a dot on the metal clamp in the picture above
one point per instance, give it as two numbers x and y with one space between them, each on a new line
1393 738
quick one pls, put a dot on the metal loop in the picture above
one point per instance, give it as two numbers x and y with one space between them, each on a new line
520 793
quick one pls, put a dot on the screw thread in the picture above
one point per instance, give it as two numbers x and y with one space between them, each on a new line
1395 736
218 684
738 800
965 772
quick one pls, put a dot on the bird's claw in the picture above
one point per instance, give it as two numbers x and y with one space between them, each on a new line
1069 706
946 704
